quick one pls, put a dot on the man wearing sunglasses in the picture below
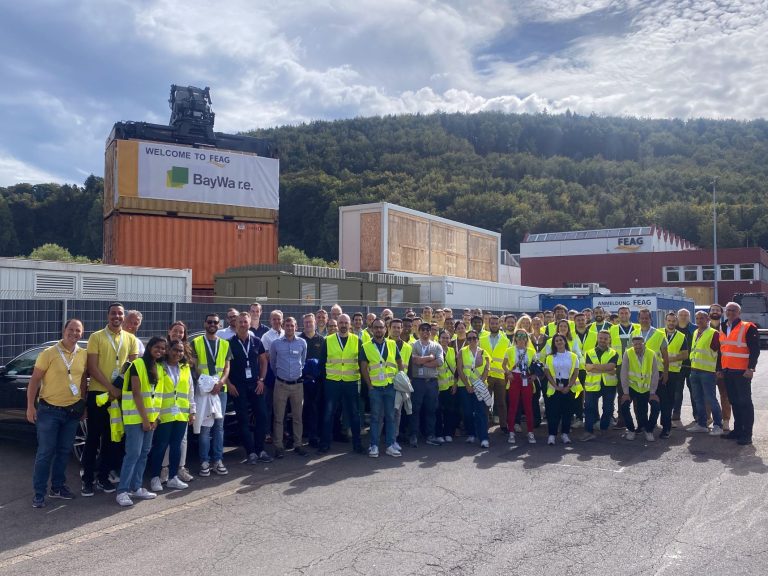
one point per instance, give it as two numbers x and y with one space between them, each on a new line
426 358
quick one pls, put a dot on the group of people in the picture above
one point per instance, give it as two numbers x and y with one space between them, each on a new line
447 374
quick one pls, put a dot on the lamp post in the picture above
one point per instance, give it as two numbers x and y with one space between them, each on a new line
714 234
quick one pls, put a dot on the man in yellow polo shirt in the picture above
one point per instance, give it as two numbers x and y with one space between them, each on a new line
108 350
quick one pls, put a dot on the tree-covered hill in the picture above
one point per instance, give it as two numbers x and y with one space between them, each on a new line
506 172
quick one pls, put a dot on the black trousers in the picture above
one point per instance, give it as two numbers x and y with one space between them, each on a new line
666 393
641 402
98 441
560 412
312 411
740 396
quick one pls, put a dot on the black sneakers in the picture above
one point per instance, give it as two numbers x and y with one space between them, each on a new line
87 489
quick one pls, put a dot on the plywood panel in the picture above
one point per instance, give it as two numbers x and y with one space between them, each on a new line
449 250
483 257
408 243
370 242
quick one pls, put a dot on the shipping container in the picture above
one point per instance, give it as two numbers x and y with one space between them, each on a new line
207 247
443 291
22 279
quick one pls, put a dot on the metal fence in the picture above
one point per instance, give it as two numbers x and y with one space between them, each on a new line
25 323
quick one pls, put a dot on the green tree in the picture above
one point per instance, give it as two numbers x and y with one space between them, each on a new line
56 253
9 244
293 255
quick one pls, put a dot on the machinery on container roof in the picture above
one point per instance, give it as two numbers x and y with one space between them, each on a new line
191 123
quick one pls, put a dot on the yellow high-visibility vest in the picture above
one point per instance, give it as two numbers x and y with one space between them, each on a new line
149 394
341 364
702 356
381 371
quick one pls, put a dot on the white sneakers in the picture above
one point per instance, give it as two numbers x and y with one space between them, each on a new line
629 435
156 485
565 438
448 439
397 446
511 439
550 440
697 428
470 440
531 438
177 484
219 468
649 437
716 431
373 452
394 452
142 494
123 499
485 444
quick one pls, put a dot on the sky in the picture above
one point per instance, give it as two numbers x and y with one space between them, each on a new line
70 69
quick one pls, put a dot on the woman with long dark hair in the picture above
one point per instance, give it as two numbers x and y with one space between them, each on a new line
562 368
176 412
141 401
472 365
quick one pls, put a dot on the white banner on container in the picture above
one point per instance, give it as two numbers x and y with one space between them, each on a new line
612 303
170 172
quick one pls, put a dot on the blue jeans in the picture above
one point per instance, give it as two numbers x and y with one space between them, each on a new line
217 432
465 401
425 394
167 436
137 446
346 394
382 404
608 394
248 401
475 412
705 391
55 435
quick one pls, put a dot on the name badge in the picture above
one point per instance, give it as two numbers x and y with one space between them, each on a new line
295 352
248 373
74 389
421 371
525 381
115 374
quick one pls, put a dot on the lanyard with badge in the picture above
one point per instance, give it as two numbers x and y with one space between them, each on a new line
72 387
116 348
624 334
648 334
424 353
382 375
214 352
175 376
247 350
522 365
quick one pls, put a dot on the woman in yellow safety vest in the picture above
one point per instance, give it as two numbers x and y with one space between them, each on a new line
177 411
140 402
178 331
447 411
562 368
472 364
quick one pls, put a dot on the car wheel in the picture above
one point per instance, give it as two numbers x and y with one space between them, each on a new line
79 445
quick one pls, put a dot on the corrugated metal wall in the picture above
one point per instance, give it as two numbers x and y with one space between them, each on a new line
207 247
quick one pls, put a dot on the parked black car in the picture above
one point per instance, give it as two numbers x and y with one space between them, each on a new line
14 379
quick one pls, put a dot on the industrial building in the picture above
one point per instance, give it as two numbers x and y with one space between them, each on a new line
184 196
632 259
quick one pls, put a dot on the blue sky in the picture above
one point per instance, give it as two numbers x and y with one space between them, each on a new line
70 69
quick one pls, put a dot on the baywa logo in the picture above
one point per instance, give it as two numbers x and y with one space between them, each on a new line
177 177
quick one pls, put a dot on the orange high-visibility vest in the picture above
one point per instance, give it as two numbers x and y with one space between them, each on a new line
734 353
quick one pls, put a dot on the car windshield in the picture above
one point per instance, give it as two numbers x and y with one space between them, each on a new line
24 364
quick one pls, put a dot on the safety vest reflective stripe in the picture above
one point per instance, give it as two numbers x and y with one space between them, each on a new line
734 352
150 401
445 373
342 364
640 376
175 397
673 349
496 353
202 356
381 371
594 380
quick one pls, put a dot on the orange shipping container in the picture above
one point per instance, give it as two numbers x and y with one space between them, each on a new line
207 247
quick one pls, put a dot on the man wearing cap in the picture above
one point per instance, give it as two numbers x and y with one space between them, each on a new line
426 358
639 381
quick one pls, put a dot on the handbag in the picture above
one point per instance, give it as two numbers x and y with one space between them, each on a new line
537 369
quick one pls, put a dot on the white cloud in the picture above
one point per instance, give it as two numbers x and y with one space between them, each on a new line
14 171
269 64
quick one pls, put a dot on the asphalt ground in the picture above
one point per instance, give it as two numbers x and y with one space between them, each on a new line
692 504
